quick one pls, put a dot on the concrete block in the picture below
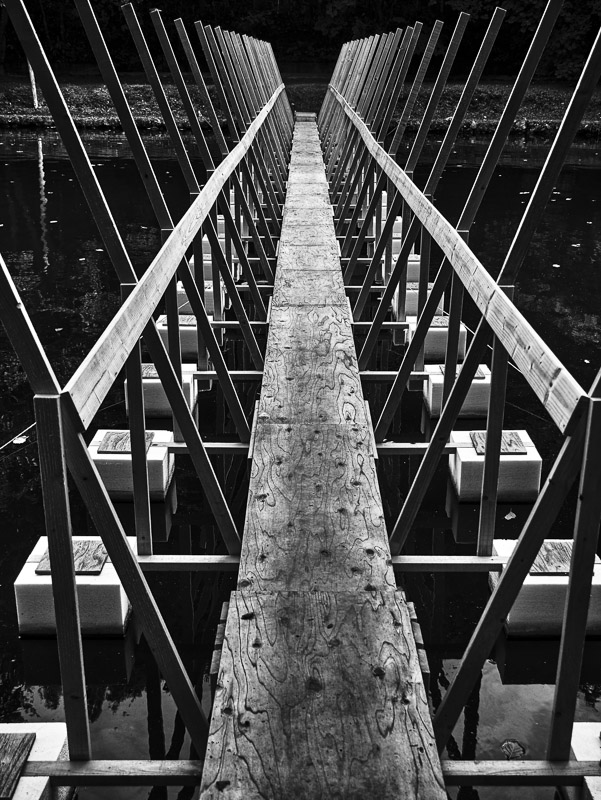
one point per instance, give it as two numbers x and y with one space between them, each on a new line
156 405
476 402
538 609
586 746
115 468
519 474
183 303
103 605
187 333
411 299
435 344
50 745
207 262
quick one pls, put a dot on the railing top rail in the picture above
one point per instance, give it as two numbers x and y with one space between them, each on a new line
92 380
552 383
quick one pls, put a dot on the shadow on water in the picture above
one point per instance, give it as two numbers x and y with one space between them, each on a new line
58 262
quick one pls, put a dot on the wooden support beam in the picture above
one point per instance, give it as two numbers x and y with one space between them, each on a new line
584 551
187 773
425 563
542 516
555 387
97 372
519 773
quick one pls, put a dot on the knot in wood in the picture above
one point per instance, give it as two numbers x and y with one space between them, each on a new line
313 684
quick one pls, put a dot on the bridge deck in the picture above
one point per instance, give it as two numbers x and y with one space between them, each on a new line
319 692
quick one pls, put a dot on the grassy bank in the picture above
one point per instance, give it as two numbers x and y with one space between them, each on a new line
91 107
539 116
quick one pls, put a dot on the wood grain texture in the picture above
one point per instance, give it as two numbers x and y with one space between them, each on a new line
14 750
313 234
511 443
314 517
120 442
320 695
310 371
304 259
89 557
309 287
117 772
319 692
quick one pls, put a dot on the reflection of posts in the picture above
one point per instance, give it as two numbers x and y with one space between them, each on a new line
43 204
156 733
34 90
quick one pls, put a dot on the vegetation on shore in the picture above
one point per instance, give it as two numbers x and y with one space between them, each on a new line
92 108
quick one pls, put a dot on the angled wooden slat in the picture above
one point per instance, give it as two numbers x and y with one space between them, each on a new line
97 372
555 387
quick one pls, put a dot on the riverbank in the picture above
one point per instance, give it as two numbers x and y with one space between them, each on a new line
91 107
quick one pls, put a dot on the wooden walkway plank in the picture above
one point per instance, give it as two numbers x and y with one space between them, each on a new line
319 692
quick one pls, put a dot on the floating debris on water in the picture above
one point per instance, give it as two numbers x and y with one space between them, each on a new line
513 749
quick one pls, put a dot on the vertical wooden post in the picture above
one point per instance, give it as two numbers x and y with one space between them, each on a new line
425 249
453 331
53 472
494 431
542 516
475 196
399 132
584 550
137 434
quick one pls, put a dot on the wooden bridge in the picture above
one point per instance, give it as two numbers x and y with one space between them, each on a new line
321 689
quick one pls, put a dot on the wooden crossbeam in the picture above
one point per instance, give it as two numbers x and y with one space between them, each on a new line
180 772
426 563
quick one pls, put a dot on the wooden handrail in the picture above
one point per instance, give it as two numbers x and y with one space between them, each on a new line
94 377
552 383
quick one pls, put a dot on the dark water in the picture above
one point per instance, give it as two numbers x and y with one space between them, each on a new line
67 283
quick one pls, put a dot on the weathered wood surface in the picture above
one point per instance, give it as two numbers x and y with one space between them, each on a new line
314 518
315 692
14 750
310 372
120 442
511 443
187 773
319 691
316 287
89 557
